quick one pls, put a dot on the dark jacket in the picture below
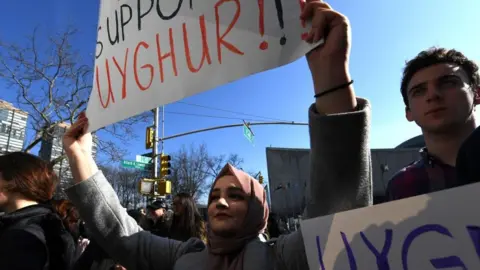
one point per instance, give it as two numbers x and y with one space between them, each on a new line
162 226
94 258
34 238
468 169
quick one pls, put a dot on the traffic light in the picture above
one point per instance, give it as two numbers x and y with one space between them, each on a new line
146 186
165 165
149 138
260 179
164 187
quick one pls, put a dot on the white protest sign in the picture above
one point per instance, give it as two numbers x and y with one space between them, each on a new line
153 52
436 231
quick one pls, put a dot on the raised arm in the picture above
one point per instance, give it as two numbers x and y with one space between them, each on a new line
340 172
114 230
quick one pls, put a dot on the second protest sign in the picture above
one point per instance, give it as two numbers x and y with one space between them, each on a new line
435 231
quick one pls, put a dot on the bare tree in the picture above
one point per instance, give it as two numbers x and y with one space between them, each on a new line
53 84
216 163
125 184
193 169
190 170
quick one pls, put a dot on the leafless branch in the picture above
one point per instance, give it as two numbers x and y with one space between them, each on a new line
58 159
193 169
53 85
125 183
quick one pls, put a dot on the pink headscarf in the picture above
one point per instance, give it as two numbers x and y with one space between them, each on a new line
227 253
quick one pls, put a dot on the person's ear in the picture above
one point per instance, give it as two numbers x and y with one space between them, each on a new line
408 114
476 95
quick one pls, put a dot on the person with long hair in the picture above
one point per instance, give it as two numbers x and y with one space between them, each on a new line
69 215
71 220
187 221
340 178
32 235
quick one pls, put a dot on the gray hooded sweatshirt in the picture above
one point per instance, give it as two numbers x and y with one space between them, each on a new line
340 179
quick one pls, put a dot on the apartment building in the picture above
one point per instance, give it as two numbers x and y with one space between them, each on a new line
13 126
52 149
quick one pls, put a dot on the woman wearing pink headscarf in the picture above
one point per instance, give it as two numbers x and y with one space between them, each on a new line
340 178
238 213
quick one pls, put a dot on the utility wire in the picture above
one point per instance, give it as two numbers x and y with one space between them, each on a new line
223 110
213 116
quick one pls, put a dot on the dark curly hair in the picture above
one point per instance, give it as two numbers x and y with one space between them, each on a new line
435 56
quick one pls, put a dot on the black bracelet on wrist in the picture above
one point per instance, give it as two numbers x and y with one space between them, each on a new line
333 89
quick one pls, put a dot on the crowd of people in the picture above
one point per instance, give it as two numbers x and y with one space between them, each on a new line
55 226
92 230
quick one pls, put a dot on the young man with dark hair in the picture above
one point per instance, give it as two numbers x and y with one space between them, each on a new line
440 89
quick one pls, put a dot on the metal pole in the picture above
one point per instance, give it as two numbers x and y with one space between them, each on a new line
155 145
234 125
10 132
163 127
60 183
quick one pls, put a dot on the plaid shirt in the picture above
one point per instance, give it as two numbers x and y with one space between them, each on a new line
421 177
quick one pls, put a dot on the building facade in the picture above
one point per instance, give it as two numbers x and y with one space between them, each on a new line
13 126
289 172
385 164
415 142
52 149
